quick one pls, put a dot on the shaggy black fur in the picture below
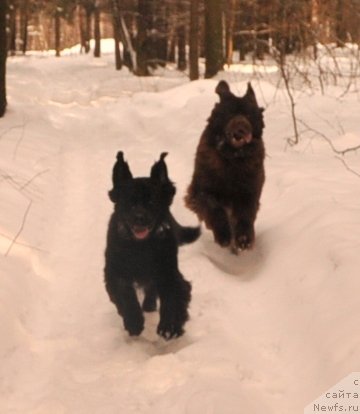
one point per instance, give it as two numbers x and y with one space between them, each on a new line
142 246
229 169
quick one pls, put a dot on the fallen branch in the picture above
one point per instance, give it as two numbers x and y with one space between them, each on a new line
19 141
6 131
347 167
14 240
29 246
23 187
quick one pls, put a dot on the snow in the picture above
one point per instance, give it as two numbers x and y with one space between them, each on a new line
270 330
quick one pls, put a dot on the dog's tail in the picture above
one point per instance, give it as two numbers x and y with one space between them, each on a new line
184 234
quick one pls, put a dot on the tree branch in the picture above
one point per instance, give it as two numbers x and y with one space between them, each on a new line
20 229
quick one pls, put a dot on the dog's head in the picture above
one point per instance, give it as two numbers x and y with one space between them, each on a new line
141 204
236 123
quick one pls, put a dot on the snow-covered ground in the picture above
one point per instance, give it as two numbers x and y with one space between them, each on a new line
270 330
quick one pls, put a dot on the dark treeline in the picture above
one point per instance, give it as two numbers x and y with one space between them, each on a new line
154 32
150 33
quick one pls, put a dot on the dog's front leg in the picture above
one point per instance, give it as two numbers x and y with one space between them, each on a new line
129 308
175 295
149 303
215 218
245 215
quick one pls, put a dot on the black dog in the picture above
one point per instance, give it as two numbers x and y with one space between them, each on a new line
142 246
229 169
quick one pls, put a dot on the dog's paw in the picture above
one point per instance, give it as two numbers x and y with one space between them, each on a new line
244 242
222 237
135 330
135 326
245 236
169 330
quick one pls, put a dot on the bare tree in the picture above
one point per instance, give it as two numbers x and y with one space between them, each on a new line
97 34
57 27
24 18
194 40
143 40
213 38
181 36
12 27
116 28
230 22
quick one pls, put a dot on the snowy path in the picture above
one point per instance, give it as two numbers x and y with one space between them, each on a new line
267 328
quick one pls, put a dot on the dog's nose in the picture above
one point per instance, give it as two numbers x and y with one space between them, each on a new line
140 218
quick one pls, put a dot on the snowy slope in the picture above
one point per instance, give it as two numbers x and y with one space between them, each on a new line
270 329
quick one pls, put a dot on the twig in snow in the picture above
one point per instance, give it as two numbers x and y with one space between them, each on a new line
19 141
33 178
29 246
6 131
347 167
10 180
14 240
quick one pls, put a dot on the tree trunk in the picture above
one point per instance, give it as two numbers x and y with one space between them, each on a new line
97 35
3 54
80 12
171 55
171 40
314 26
87 30
181 36
129 51
230 21
160 25
116 28
24 25
12 35
143 41
57 33
213 38
340 26
194 40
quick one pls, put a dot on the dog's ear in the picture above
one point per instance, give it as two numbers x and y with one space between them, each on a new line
121 172
223 90
159 169
159 174
250 95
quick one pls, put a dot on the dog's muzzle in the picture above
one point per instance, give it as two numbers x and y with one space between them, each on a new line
238 132
140 233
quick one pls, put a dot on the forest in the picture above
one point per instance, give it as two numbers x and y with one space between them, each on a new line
151 33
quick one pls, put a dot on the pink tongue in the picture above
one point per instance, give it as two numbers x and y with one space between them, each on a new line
248 138
141 234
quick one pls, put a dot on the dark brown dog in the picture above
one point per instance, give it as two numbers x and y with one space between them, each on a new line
229 169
